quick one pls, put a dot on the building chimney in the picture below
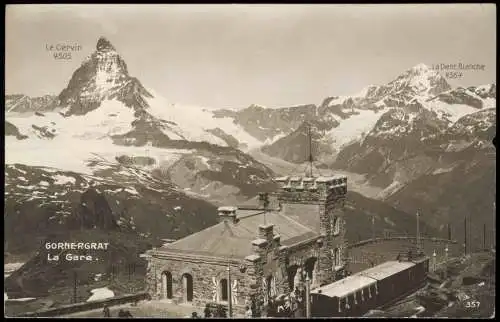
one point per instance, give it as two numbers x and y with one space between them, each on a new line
227 214
266 232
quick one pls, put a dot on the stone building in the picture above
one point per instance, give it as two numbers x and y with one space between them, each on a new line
261 251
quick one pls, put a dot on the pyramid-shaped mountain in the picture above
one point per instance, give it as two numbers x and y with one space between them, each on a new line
103 75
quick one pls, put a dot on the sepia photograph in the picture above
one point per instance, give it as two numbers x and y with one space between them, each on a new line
250 161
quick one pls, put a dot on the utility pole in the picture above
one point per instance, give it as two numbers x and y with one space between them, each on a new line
74 286
493 241
310 152
449 232
230 296
484 237
373 227
154 268
264 198
434 261
308 297
465 235
418 232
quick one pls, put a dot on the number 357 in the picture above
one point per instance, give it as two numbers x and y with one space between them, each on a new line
472 304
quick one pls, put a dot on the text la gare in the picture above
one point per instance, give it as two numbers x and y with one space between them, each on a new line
70 258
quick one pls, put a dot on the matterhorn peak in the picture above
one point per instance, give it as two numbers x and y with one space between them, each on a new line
104 44
102 76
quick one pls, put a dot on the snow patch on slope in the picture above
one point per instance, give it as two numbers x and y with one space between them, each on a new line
68 154
452 112
193 122
100 294
111 118
354 128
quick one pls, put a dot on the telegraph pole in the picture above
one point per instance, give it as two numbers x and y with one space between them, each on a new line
484 237
418 232
373 227
74 286
310 152
154 268
308 297
493 241
465 235
230 296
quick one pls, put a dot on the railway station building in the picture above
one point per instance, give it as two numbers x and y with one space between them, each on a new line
258 252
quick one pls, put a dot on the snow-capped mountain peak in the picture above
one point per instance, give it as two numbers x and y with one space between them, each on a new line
421 68
103 75
104 44
420 80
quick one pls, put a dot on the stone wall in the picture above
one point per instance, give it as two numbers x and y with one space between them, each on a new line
334 207
329 196
206 274
268 265
270 261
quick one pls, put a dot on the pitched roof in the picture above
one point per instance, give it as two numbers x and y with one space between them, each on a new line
227 239
386 269
346 286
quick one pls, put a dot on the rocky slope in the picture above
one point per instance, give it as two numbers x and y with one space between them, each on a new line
40 201
50 272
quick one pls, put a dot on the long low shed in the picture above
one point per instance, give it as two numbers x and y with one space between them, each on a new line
360 292
386 269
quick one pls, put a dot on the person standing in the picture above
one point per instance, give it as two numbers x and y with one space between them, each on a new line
207 312
248 312
106 311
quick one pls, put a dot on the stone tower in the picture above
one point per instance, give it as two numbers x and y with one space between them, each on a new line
318 202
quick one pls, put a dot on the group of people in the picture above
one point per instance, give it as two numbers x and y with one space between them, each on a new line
121 314
214 311
292 305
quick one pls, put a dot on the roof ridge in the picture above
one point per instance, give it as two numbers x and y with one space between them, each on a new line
193 234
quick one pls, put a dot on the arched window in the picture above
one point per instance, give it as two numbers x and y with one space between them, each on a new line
336 257
335 225
223 290
269 286
187 284
309 267
166 285
292 271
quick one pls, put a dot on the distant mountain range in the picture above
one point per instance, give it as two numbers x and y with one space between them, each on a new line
162 168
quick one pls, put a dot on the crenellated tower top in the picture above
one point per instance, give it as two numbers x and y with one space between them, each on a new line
311 188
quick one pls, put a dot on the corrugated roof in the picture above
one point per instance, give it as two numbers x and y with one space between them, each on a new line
386 269
363 279
227 239
345 286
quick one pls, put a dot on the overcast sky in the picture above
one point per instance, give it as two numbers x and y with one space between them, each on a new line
231 56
